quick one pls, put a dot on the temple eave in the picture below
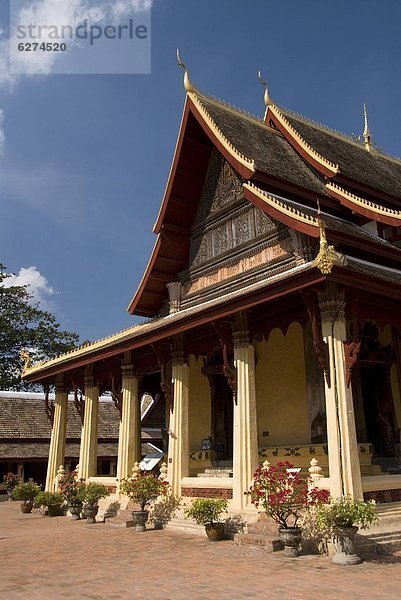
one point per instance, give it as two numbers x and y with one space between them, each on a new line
148 333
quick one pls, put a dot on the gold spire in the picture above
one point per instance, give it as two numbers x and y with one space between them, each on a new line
267 99
327 256
188 86
367 138
25 357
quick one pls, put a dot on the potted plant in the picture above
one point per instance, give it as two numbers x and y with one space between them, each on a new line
143 489
92 493
72 491
26 492
342 517
10 480
284 496
52 501
206 511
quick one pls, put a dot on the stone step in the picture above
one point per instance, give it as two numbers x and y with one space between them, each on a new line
261 534
388 464
255 540
233 524
179 523
123 519
108 507
372 545
263 528
384 512
216 472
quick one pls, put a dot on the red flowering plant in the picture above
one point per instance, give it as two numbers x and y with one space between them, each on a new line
283 493
11 481
72 489
144 488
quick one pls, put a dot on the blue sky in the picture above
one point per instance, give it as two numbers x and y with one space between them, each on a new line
86 158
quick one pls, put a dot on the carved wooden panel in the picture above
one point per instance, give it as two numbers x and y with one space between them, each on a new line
222 187
225 220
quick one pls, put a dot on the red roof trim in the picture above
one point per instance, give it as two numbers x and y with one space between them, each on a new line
281 216
271 118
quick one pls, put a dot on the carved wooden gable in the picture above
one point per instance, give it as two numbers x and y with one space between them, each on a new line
222 187
225 220
230 236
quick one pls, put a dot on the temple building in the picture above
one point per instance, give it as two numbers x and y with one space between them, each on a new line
272 299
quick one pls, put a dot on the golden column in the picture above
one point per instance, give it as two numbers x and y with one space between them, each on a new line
245 442
344 468
88 450
59 427
129 439
178 449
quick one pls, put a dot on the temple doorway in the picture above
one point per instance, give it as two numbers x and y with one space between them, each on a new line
378 408
222 418
377 398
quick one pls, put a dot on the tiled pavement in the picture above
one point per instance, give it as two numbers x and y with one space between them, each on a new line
51 558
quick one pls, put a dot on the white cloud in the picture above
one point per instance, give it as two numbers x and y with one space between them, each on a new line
120 8
2 134
38 286
58 13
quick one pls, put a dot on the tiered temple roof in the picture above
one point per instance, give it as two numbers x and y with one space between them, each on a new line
285 164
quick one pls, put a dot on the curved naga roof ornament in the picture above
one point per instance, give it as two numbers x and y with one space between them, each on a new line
196 95
268 101
188 85
327 257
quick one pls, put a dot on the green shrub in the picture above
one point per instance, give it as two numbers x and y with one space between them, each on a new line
206 510
49 499
93 492
26 492
346 512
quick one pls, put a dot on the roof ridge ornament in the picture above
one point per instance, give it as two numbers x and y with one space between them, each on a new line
367 137
188 86
268 101
327 257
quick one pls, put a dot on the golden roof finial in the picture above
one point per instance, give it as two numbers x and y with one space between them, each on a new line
188 86
367 138
267 99
327 256
25 357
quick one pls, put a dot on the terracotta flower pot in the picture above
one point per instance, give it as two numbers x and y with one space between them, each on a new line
215 531
26 507
291 538
140 517
344 544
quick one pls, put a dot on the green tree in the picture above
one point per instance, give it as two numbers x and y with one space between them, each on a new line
24 325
